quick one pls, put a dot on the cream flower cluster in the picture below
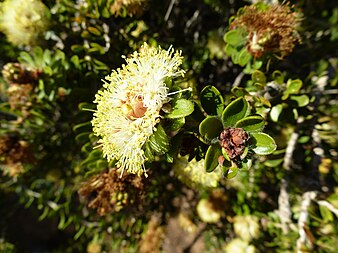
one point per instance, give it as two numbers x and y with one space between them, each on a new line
128 106
194 175
23 21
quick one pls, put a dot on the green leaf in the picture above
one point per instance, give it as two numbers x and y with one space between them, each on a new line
239 91
95 47
148 152
212 100
159 141
230 50
251 123
326 214
244 57
85 126
292 87
235 37
210 127
257 64
26 58
235 111
278 77
94 30
229 173
82 137
246 165
263 144
181 108
258 77
275 112
211 157
302 100
273 163
176 124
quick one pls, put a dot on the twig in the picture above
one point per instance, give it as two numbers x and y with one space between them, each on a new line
238 79
307 197
171 5
284 209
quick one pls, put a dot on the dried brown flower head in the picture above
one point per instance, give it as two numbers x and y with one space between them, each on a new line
131 7
272 30
20 96
233 141
14 153
110 193
18 73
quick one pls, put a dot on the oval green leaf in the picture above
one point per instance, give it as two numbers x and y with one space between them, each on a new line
244 57
258 77
253 123
302 100
159 142
292 87
212 100
210 127
234 112
181 108
275 112
229 172
211 157
263 144
234 37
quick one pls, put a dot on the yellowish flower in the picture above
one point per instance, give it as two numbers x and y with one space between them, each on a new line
246 227
23 21
194 175
207 211
128 106
239 246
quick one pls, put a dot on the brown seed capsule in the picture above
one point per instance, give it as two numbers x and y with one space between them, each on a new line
233 141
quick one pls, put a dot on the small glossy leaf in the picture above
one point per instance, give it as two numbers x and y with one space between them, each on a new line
229 172
210 127
258 77
212 100
273 163
244 57
234 37
275 112
181 108
82 137
263 144
86 126
94 30
95 47
230 50
257 64
239 91
225 155
292 87
246 165
278 77
302 100
148 152
235 111
159 141
211 157
253 123
326 214
176 124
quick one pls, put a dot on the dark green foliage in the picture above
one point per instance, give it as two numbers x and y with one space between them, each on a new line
282 168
